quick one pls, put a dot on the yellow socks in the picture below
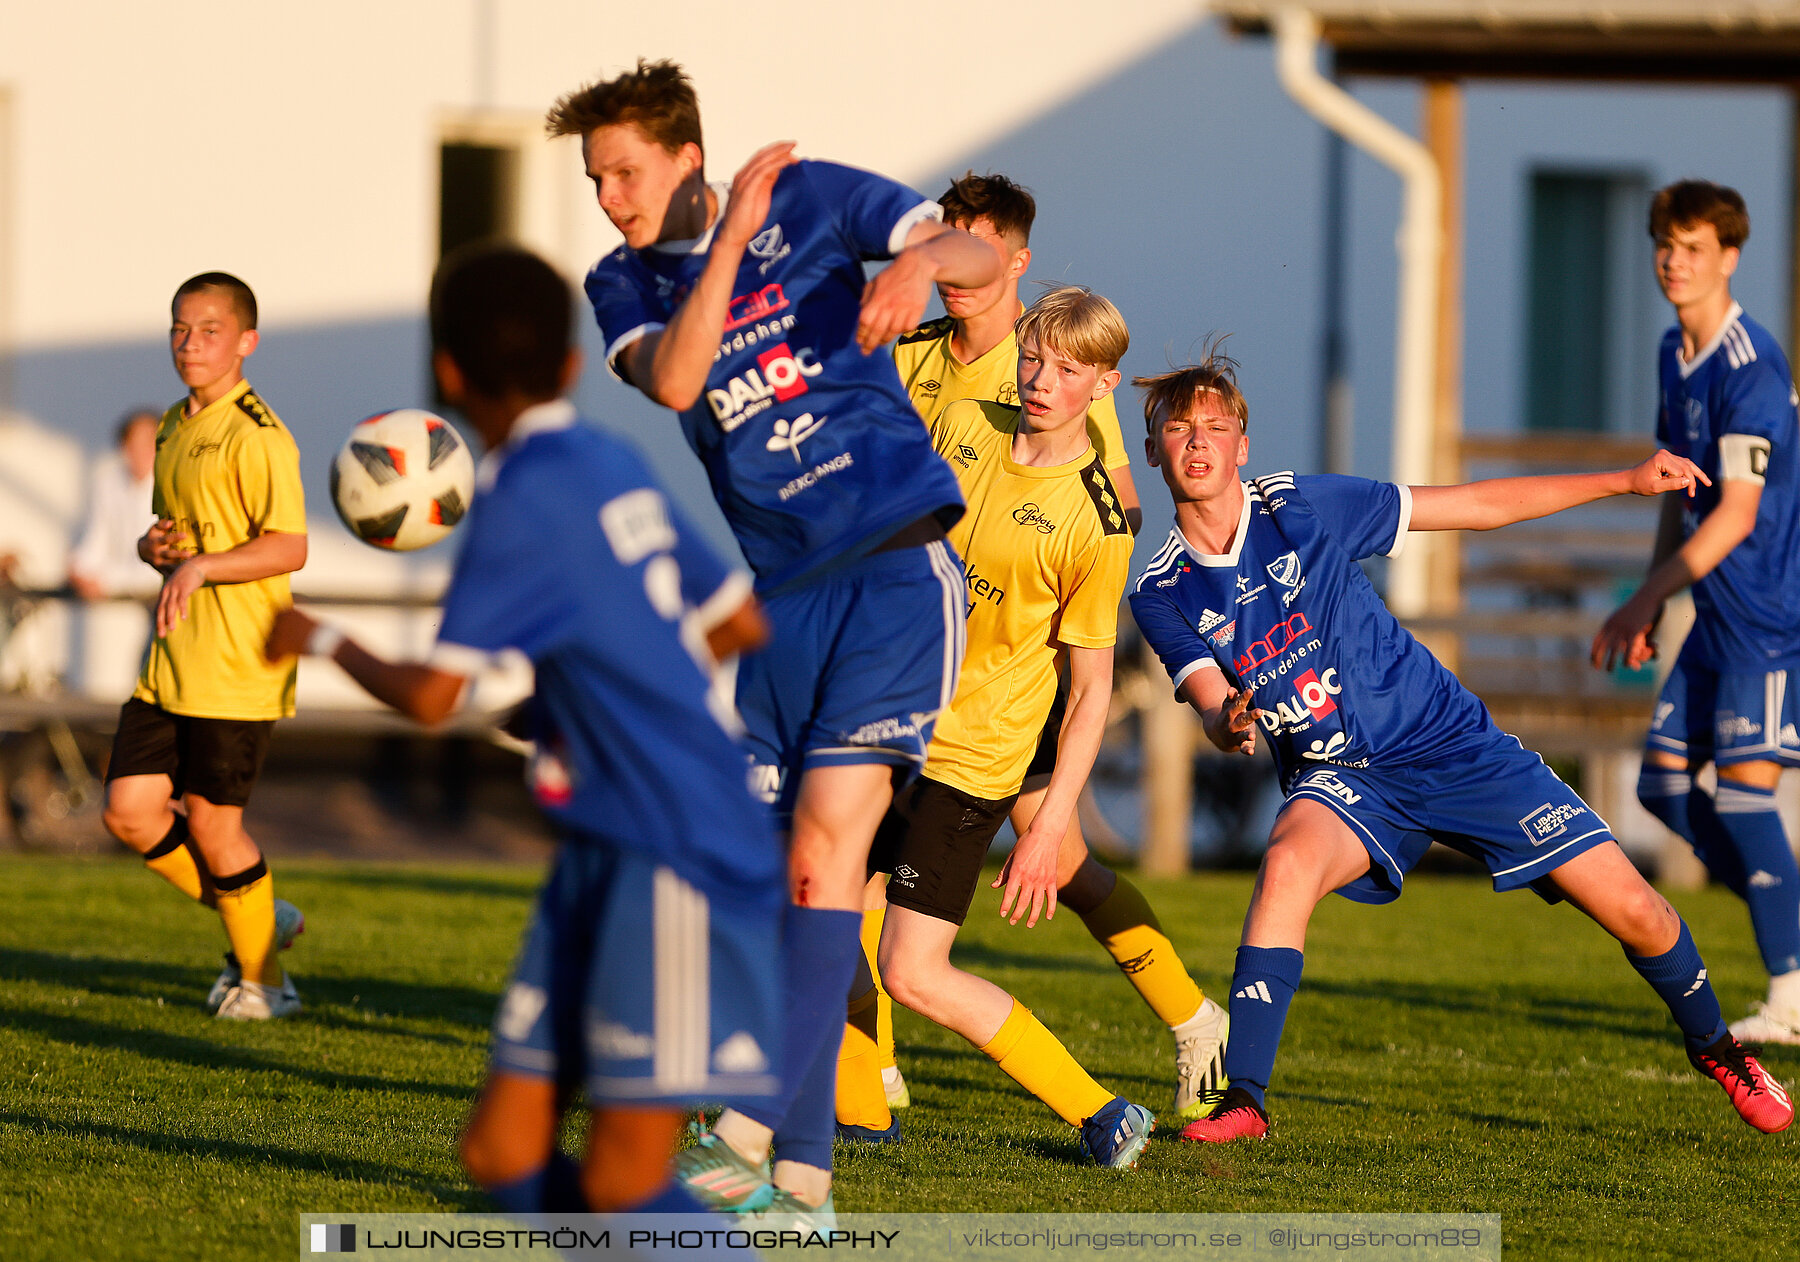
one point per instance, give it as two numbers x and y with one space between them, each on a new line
873 919
174 860
1124 924
247 906
861 1101
1033 1057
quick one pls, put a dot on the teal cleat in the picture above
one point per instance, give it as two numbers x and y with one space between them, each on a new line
721 1179
787 1212
1117 1135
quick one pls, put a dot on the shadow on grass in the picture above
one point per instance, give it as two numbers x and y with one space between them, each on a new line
183 986
208 1055
240 1153
417 881
1634 1016
976 956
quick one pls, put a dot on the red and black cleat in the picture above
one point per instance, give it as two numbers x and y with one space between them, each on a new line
1238 1116
1754 1093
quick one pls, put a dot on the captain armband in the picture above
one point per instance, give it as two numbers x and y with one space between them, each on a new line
1743 458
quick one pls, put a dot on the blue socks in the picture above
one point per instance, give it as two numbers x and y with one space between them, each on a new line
1738 835
553 1189
819 951
1262 987
1772 879
1678 976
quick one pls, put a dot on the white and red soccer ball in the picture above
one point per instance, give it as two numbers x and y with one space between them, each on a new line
403 479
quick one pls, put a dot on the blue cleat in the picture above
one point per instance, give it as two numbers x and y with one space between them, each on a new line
848 1134
1117 1135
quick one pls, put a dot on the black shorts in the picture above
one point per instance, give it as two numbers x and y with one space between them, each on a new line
934 841
1043 762
217 759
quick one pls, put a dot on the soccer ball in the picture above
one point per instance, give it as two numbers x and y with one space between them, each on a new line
403 480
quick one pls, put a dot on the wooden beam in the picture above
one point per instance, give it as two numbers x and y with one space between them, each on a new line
1441 127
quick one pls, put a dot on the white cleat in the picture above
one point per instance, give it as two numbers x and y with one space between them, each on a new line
290 923
1200 1060
1764 1026
899 1096
251 1001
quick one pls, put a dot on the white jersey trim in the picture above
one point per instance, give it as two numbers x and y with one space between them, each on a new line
911 219
1405 524
1700 356
1192 668
624 340
1223 560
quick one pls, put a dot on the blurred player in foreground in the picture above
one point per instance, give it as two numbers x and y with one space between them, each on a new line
973 353
1260 613
745 309
1046 551
1727 404
230 527
647 977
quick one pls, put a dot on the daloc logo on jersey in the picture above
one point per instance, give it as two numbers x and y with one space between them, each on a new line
782 376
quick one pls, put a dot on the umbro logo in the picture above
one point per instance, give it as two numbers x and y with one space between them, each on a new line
1256 990
1699 981
930 388
1137 963
905 873
966 455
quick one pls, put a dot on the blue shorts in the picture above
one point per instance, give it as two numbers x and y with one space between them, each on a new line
1705 715
632 984
859 663
1503 807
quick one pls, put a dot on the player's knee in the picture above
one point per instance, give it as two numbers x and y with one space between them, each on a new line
1645 922
132 824
909 981
1291 872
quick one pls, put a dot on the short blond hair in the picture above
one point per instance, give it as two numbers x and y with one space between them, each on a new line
1079 323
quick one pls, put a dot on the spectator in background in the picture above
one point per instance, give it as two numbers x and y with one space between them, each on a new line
105 562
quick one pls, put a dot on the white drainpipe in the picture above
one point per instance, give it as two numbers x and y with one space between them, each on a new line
1419 243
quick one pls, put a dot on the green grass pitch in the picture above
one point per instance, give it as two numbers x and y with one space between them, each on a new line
1454 1051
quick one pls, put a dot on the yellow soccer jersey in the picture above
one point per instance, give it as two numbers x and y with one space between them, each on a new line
934 378
225 475
1045 552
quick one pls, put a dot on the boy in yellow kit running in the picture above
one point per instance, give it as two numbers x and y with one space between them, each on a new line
230 527
1046 550
972 353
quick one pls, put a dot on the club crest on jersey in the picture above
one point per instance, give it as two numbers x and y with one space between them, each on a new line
781 374
1008 393
769 246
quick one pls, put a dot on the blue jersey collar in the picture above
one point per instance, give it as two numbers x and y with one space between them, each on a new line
1701 355
540 418
1224 559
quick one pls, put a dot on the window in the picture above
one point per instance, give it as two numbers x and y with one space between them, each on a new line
477 193
1589 347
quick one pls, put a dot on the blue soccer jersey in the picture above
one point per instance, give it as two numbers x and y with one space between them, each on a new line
814 450
1290 616
1731 410
573 556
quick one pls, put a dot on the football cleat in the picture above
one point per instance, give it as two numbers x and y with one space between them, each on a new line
1200 1061
250 1001
851 1134
1237 1116
290 923
721 1179
788 1212
1753 1091
898 1096
1116 1136
1764 1026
